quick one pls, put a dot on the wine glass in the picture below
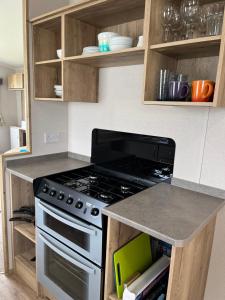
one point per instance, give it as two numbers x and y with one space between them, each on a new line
210 19
190 13
219 12
166 19
176 25
202 21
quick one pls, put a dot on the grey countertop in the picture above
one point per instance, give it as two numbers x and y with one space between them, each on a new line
34 167
168 212
173 213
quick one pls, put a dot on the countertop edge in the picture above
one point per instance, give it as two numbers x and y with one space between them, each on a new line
158 235
20 175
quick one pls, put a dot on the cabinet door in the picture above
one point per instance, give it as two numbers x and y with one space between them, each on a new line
15 81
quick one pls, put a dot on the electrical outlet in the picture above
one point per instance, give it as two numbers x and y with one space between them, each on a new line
51 137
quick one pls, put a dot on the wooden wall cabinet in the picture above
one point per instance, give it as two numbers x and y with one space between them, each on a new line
188 266
16 81
75 27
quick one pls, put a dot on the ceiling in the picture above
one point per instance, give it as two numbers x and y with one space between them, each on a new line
11 32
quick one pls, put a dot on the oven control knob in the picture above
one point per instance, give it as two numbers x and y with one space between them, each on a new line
79 205
52 193
45 189
69 201
95 212
61 197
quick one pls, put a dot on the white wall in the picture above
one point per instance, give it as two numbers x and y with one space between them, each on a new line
47 117
199 134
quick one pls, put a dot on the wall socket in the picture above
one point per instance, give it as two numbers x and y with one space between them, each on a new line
52 137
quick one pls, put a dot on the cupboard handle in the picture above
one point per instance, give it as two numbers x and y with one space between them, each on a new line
66 256
64 218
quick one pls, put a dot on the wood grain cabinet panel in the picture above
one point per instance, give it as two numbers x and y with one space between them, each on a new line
74 27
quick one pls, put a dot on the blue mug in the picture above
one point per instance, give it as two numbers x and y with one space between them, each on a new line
178 90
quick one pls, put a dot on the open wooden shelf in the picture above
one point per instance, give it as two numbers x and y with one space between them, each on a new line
27 230
46 62
77 26
131 56
179 103
48 99
202 45
26 269
47 38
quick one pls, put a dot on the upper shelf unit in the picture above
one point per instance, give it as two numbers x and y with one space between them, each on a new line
77 26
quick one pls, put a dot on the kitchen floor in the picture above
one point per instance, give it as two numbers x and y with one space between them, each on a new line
12 288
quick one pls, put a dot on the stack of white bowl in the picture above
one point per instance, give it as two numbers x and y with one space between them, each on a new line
117 43
58 90
59 53
90 50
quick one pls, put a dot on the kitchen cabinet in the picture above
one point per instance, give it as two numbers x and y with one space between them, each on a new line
74 27
188 267
16 81
172 215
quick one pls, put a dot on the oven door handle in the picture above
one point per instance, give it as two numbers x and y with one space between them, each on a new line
66 256
64 218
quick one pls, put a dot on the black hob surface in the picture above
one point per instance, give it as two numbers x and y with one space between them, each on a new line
93 182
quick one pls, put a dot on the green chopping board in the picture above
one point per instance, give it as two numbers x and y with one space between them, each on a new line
134 257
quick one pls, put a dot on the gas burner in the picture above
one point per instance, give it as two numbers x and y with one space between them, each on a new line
104 196
72 184
125 189
92 178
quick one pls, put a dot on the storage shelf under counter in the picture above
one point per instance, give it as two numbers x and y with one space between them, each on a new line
183 218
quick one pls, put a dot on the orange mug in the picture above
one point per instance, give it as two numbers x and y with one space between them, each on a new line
202 90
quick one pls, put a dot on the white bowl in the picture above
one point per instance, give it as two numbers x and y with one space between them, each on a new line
121 40
58 93
58 87
118 47
107 35
59 53
91 49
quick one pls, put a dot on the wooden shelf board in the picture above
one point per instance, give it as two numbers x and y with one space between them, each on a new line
25 260
27 230
179 103
130 56
48 99
49 62
209 44
26 269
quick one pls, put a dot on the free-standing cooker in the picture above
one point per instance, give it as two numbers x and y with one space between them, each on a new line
71 231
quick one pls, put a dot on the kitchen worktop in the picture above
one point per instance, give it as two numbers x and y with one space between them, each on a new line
167 212
34 167
173 213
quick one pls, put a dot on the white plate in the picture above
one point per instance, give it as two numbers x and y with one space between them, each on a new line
118 47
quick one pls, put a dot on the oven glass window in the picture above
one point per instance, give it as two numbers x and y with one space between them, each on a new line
77 237
71 279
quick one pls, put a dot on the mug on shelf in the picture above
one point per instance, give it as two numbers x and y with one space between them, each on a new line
202 90
178 90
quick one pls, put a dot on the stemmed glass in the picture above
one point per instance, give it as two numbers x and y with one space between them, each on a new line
167 18
176 25
219 11
190 13
202 21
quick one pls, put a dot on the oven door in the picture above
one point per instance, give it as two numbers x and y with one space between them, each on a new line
64 273
80 236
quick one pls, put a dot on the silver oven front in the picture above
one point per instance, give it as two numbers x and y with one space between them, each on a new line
77 235
66 274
